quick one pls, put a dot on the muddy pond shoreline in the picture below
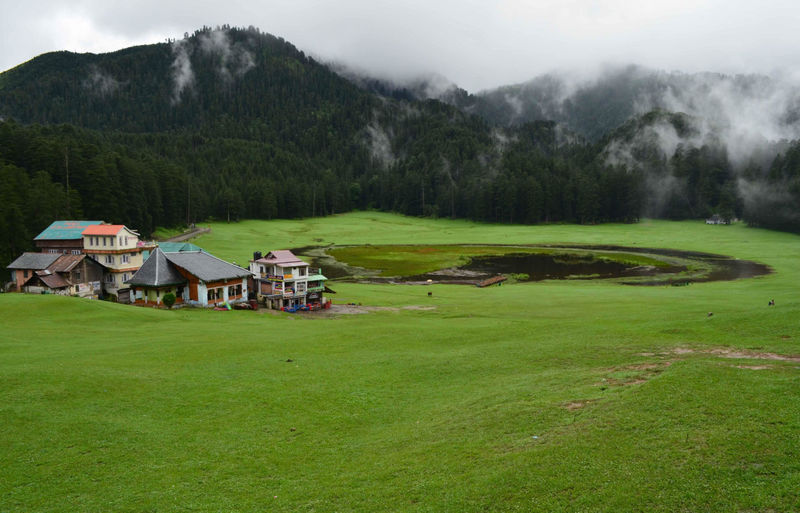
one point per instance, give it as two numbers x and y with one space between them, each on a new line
555 262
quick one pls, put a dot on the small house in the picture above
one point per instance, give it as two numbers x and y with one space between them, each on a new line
717 219
195 277
26 265
75 275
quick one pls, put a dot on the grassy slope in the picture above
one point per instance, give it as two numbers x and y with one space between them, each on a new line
107 407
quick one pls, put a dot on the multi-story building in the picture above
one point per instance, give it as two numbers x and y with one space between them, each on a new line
118 249
283 280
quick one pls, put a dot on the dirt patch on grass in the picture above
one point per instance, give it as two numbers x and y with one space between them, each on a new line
739 354
753 367
361 309
648 366
577 405
635 374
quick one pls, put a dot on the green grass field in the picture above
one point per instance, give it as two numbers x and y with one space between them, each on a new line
547 396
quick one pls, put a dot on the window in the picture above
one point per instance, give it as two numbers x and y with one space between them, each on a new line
25 273
77 275
125 259
53 251
76 251
302 271
109 259
124 277
179 292
231 291
126 240
120 240
105 239
109 278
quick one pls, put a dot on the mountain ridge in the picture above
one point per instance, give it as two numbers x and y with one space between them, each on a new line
230 123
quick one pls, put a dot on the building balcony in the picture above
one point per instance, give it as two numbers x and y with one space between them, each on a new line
284 277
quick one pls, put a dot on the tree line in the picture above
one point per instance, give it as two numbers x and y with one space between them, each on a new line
282 136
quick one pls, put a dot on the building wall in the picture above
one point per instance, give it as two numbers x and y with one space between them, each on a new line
124 239
20 278
221 292
68 246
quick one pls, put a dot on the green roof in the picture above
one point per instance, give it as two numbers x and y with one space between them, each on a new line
65 230
175 247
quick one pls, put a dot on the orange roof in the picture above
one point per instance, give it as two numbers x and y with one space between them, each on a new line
103 229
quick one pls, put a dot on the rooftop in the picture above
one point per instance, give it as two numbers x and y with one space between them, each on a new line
156 271
175 247
205 266
103 229
65 230
66 263
54 281
34 261
281 257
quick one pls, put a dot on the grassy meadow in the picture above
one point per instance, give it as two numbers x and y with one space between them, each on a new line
546 396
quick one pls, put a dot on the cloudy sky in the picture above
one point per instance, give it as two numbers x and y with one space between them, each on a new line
476 44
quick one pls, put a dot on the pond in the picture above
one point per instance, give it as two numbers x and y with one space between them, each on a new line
630 266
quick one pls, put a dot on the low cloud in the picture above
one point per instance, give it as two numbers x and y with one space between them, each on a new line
379 142
234 60
100 83
182 73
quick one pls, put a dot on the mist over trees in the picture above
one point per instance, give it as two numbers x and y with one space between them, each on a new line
233 123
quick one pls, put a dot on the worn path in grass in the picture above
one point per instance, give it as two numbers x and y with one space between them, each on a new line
550 396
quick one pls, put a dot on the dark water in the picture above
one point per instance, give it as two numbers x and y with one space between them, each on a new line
562 266
548 267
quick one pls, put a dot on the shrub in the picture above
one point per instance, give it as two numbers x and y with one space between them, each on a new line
169 299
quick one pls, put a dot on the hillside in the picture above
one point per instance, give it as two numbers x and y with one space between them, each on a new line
233 123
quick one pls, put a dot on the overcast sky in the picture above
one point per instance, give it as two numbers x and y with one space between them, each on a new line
476 44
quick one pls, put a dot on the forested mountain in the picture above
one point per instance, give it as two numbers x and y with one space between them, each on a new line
597 103
695 144
232 123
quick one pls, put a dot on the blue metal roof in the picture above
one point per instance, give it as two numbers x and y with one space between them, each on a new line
176 247
65 230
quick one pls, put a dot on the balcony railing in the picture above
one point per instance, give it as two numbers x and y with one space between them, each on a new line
312 271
